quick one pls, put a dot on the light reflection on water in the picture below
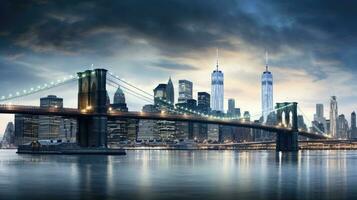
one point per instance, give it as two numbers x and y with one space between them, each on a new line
161 174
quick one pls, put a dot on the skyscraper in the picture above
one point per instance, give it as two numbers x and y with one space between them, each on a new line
319 123
217 89
231 107
160 93
353 125
319 111
342 127
170 92
185 91
333 116
203 102
267 91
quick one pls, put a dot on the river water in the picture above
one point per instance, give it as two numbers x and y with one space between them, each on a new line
161 174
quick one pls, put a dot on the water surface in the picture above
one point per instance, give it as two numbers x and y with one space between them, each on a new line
159 174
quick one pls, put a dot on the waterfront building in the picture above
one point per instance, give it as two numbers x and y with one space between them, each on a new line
353 134
26 128
333 116
217 89
185 91
342 127
49 126
213 132
118 127
203 106
147 128
267 91
8 140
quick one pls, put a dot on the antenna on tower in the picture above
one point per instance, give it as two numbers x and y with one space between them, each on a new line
217 58
266 60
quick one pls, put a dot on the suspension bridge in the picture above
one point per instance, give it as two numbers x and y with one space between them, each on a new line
93 111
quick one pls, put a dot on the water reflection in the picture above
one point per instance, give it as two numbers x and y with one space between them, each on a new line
181 175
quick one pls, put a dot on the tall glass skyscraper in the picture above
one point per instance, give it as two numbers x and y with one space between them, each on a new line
267 91
185 91
333 116
217 89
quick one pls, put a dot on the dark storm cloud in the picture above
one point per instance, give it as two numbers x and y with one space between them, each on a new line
324 29
169 65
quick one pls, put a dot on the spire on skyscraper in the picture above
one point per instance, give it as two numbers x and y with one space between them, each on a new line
266 60
217 58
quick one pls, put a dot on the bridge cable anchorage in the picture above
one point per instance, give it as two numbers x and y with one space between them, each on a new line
313 125
39 88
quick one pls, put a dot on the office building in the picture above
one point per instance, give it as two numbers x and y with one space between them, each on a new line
267 91
217 89
170 93
49 126
342 127
333 117
203 102
185 91
353 134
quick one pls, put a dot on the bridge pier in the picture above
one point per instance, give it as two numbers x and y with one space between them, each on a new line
92 99
287 140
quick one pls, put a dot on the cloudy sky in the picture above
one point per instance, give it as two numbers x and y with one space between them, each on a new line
311 44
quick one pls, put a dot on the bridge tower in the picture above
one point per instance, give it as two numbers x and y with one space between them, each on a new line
287 141
92 99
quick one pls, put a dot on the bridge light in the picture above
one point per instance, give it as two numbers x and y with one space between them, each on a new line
83 75
89 108
110 108
83 110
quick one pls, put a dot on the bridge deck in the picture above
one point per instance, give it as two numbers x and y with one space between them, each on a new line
73 112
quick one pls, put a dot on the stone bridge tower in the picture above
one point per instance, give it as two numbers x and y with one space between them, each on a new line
92 99
287 140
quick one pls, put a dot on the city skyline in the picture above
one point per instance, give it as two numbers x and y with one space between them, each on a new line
189 54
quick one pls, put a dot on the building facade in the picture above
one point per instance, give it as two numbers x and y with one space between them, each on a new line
267 93
170 92
353 126
185 91
333 117
217 90
49 126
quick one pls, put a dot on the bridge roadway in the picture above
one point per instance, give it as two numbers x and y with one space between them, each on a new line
73 112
